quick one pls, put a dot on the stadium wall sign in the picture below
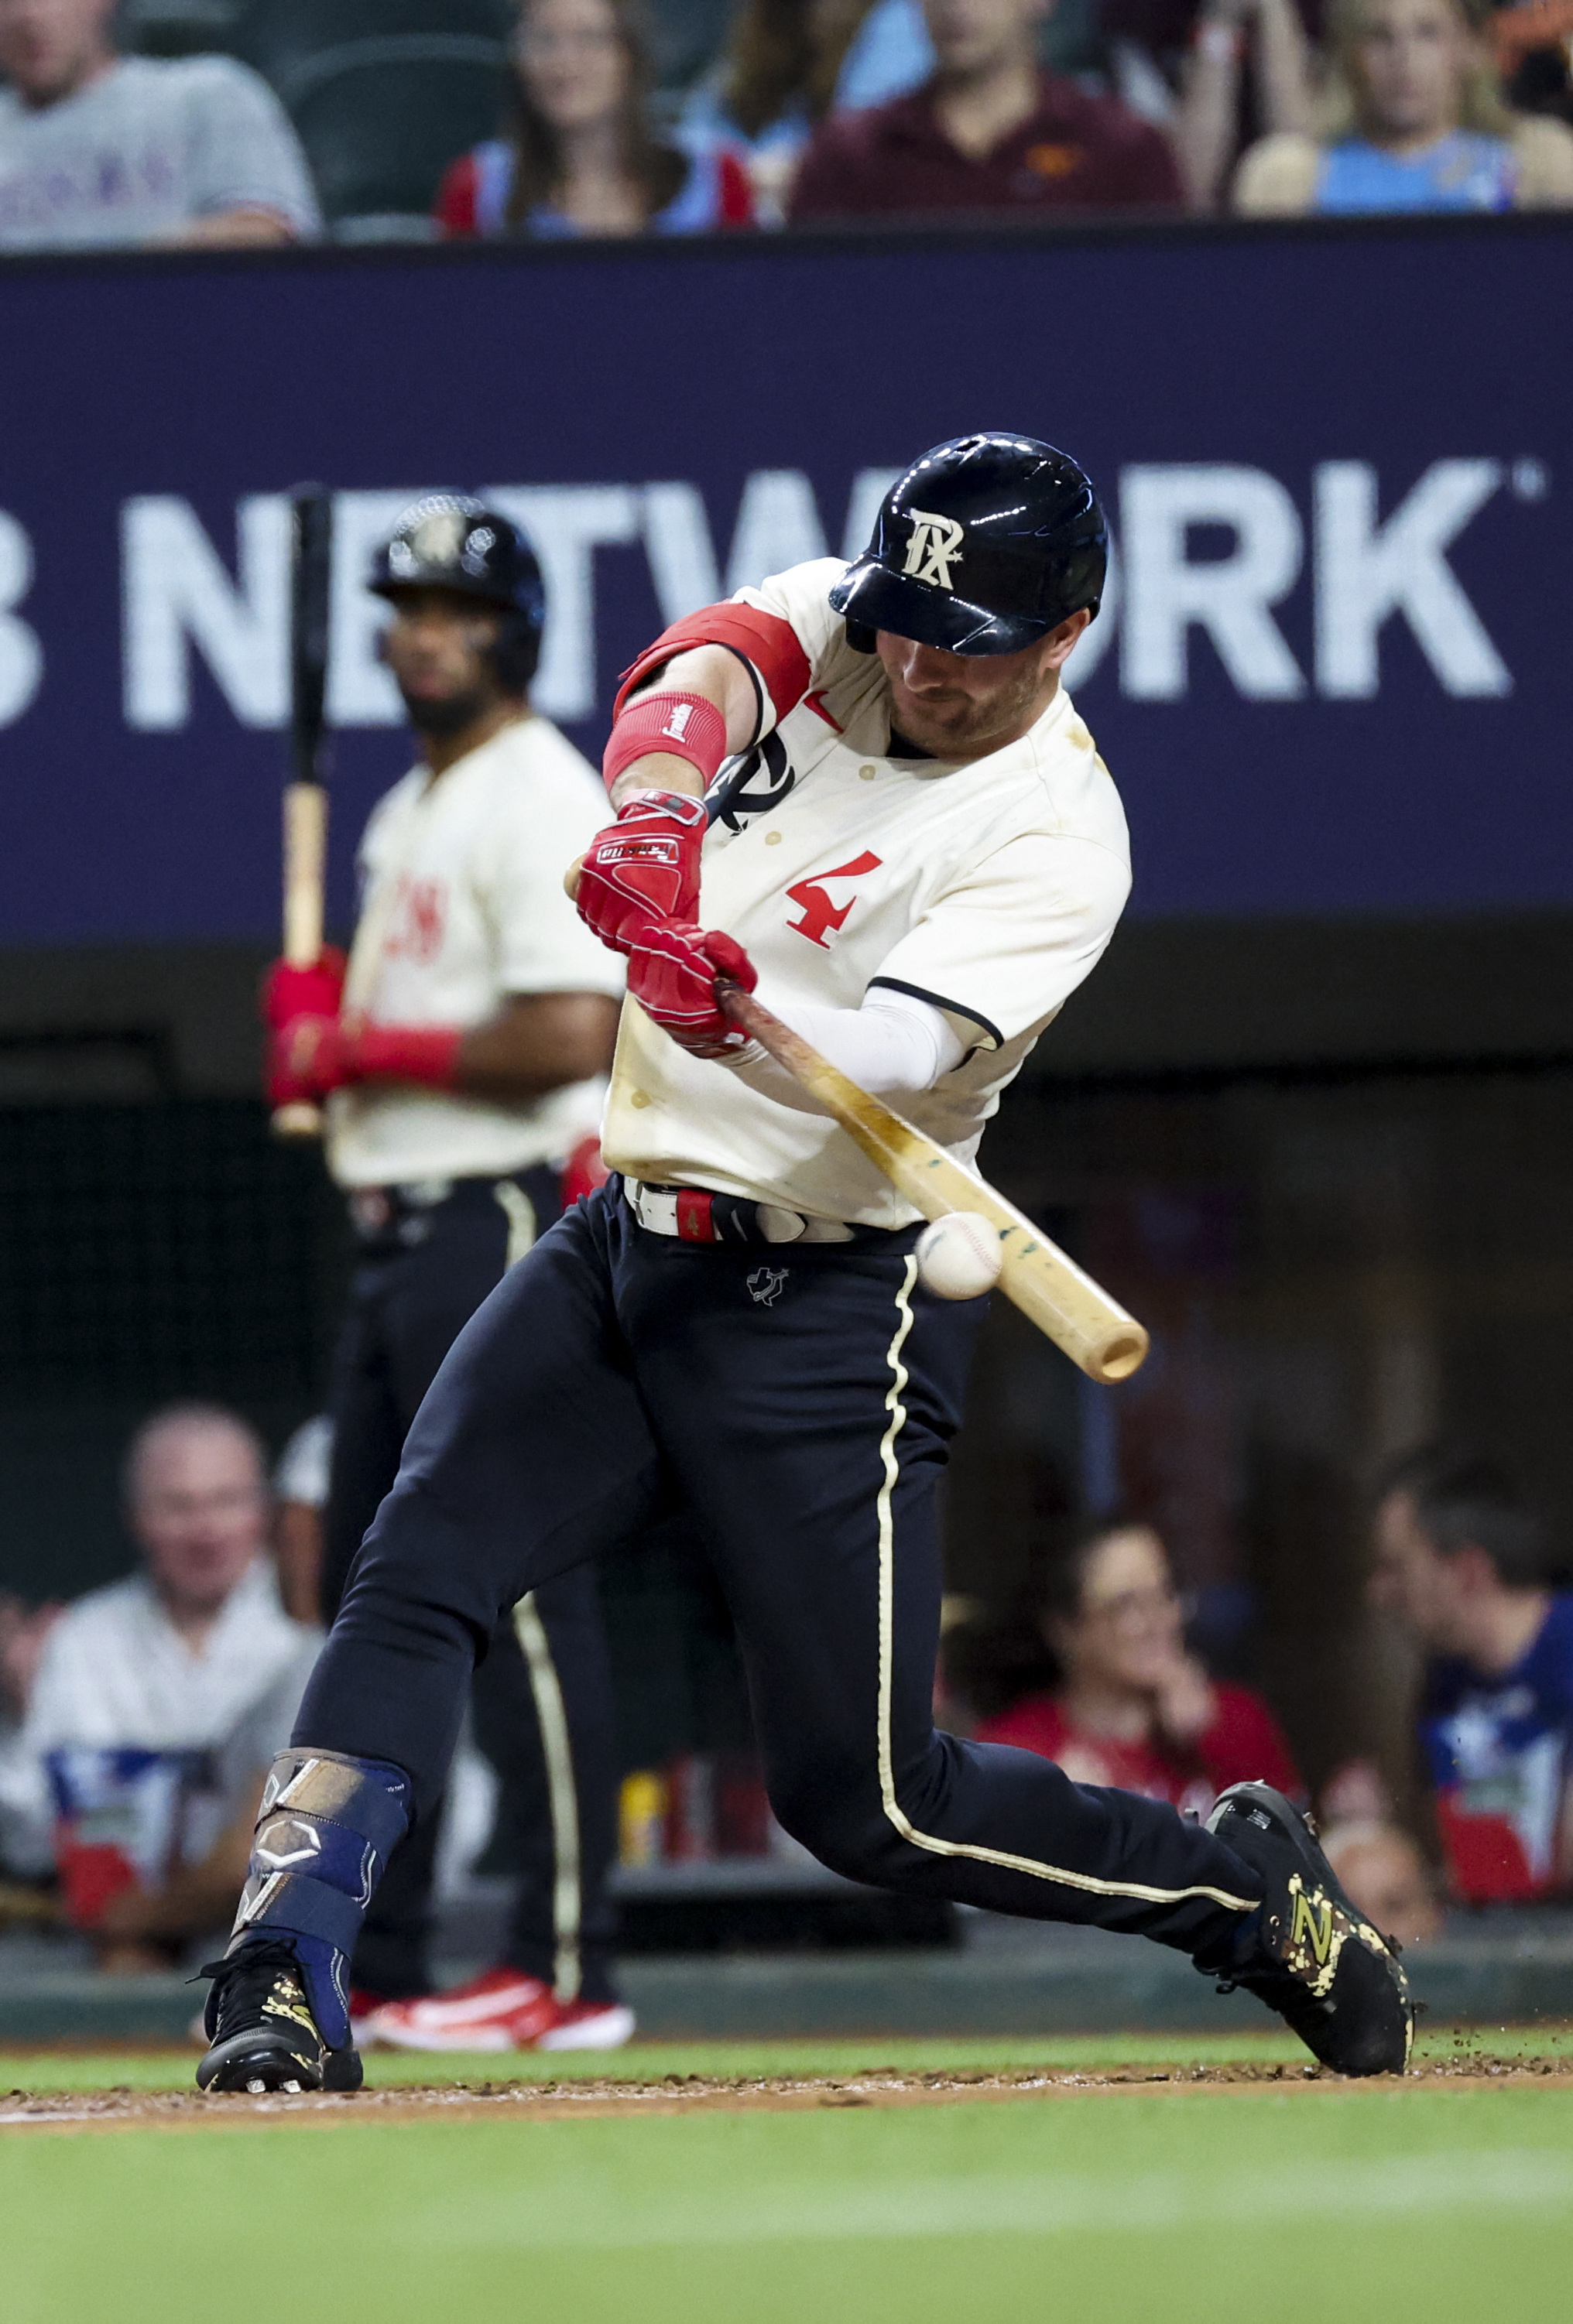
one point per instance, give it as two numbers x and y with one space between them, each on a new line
1330 674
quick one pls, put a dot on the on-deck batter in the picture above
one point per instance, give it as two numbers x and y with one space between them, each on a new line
912 846
462 1064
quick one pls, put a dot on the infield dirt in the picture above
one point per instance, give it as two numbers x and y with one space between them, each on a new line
586 2097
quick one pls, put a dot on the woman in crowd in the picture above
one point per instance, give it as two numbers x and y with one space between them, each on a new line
1245 71
1412 119
790 62
580 157
1132 1707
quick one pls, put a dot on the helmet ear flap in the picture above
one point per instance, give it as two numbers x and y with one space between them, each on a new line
517 651
860 640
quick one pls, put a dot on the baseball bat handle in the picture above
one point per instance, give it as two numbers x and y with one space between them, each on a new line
1047 1284
305 872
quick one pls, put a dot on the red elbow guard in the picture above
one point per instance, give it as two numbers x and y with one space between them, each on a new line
685 725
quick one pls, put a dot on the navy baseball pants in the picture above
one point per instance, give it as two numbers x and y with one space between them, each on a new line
798 1401
542 1703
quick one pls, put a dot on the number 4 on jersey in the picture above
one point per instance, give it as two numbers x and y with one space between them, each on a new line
822 917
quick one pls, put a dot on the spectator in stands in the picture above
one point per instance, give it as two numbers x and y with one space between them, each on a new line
23 1631
1462 1561
788 64
1532 43
580 157
1205 124
159 1701
1386 1878
990 133
1132 1707
300 1498
97 150
1412 119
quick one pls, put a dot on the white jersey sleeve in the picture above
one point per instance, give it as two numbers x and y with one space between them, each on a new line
1007 947
801 598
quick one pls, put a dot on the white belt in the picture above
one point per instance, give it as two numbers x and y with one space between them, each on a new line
655 1208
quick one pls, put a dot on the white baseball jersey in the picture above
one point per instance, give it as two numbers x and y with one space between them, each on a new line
462 906
988 888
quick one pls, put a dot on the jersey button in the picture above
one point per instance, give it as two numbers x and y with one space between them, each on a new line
773 838
638 1098
867 774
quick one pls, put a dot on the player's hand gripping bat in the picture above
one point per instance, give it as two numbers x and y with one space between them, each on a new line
1076 1313
306 792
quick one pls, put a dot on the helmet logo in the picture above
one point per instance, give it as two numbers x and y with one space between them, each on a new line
933 549
439 538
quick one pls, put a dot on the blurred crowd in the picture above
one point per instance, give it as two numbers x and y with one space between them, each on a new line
136 1725
358 118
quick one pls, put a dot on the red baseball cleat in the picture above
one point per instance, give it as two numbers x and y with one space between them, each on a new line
501 2009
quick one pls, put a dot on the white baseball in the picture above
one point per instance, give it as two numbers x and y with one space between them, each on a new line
959 1256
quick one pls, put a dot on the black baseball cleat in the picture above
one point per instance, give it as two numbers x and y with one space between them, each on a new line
261 2032
1315 1959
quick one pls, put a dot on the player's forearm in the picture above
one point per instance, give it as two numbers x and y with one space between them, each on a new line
715 676
1202 130
539 1042
1284 69
895 1046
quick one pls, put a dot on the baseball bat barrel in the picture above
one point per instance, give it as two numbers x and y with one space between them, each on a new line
1062 1300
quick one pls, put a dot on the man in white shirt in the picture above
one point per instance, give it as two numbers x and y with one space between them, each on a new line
99 151
159 1701
462 1055
917 855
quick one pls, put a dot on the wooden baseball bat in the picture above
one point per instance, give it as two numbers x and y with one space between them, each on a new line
306 792
1077 1314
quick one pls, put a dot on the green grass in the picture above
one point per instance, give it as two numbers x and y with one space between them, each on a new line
1442 2205
1438 2206
647 2061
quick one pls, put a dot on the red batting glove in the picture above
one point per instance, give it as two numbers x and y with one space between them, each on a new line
314 991
310 1056
582 1173
644 866
671 973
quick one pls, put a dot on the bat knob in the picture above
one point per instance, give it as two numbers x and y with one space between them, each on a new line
297 1121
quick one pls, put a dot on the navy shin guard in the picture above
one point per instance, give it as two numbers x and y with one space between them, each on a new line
327 1827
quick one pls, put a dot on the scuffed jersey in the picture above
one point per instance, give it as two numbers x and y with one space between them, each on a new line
1498 1751
989 888
462 907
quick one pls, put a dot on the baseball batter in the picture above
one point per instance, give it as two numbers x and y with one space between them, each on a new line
462 1062
864 789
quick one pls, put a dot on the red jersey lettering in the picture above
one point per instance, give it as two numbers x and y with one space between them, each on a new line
418 919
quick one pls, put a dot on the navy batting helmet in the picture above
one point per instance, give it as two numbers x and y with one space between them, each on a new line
983 547
449 542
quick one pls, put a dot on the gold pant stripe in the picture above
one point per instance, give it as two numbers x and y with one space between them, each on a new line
520 1212
1036 1871
561 1791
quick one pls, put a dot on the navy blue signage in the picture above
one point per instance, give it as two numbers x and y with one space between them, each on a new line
1332 674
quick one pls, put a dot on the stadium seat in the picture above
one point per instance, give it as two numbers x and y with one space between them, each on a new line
384 94
178 27
687 36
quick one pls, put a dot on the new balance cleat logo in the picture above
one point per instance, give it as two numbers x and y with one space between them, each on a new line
1312 1924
